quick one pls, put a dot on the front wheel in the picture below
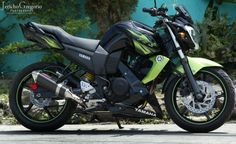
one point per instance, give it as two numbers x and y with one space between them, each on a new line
203 115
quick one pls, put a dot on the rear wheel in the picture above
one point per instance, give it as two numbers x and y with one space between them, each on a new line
201 115
35 107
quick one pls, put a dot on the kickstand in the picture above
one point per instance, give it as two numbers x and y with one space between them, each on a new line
118 123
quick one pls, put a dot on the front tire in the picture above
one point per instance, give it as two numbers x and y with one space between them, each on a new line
195 117
27 113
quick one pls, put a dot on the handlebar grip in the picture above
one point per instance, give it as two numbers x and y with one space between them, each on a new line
147 10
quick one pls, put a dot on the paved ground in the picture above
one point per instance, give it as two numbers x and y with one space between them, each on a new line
110 134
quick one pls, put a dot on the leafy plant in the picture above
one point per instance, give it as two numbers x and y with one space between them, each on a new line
14 47
73 26
62 13
218 34
53 57
6 116
107 12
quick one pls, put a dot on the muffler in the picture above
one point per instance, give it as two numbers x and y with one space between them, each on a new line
50 84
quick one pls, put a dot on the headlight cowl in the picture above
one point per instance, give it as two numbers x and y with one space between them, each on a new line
193 36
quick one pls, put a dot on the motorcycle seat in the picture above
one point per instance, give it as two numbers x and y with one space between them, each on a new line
66 38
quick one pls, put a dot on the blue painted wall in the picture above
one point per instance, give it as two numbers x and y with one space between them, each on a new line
13 63
195 7
15 34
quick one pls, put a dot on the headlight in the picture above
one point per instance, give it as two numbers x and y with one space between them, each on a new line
193 35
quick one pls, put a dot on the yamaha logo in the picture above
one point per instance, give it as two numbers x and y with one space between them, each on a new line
84 56
145 112
159 58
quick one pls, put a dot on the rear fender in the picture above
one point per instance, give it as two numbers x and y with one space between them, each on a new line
45 39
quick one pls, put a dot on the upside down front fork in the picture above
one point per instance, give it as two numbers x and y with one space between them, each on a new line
188 72
184 62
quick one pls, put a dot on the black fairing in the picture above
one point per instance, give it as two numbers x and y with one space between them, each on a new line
92 61
118 37
183 13
120 31
106 57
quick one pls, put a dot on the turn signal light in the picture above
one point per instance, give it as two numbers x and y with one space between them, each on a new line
182 35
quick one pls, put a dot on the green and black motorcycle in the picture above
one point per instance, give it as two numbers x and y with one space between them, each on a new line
118 74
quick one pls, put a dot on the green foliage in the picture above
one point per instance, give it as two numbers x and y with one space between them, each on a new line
107 12
73 26
53 57
217 37
4 87
65 14
14 47
6 116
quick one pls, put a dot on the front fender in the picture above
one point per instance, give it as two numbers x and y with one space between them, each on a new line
196 64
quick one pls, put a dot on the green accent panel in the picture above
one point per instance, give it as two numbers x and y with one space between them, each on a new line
197 64
159 62
143 44
134 33
51 42
141 48
144 38
140 37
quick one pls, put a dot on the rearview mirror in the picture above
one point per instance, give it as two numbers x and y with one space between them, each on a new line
155 3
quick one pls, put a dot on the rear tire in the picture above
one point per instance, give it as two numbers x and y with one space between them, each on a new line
23 117
214 123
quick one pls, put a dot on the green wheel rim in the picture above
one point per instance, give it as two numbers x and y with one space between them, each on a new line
215 117
20 108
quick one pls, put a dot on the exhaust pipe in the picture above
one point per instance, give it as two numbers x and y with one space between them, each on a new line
59 89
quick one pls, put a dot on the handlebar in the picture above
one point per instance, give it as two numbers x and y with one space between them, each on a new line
157 12
148 10
151 11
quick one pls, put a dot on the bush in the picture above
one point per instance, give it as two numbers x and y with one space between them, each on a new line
218 34
6 116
